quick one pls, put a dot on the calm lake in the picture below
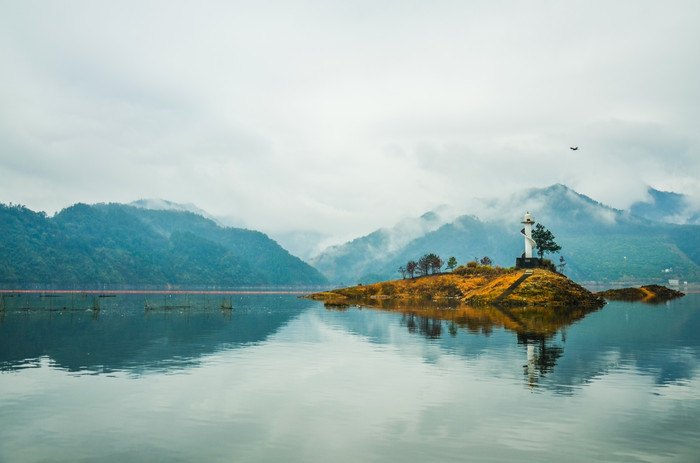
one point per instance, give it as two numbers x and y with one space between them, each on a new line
282 379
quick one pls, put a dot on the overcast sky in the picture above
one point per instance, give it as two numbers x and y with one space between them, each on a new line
342 117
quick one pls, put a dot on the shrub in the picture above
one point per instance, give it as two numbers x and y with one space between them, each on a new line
476 269
547 264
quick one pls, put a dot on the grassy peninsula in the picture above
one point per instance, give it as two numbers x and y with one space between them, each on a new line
476 287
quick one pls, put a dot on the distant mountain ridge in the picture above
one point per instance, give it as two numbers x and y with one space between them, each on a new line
357 257
666 206
600 243
123 244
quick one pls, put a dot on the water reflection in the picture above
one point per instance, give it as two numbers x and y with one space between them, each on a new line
431 328
141 334
535 327
277 378
545 321
136 333
542 356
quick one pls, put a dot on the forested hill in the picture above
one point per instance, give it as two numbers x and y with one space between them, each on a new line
120 244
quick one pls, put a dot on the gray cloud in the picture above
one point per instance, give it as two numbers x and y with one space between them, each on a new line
342 117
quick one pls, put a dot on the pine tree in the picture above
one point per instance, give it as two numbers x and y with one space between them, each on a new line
544 240
451 263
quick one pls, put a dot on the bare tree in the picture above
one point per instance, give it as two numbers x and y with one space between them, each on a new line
435 263
424 265
411 267
561 265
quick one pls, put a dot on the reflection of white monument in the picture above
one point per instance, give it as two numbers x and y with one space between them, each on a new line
526 260
531 367
527 233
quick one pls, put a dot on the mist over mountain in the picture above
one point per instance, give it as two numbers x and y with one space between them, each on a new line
157 204
122 244
599 243
303 244
360 256
666 206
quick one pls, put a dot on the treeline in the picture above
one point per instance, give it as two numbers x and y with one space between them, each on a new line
119 244
431 264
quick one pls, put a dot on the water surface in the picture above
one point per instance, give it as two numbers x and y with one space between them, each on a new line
279 378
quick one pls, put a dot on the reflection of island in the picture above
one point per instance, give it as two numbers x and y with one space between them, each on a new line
535 327
530 321
431 328
661 343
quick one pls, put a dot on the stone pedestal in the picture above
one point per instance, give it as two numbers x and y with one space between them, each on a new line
527 262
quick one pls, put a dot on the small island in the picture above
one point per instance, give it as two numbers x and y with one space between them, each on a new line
646 293
475 286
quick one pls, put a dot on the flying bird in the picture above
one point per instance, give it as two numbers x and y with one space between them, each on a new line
573 147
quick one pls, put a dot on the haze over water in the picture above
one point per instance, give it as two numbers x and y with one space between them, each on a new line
279 378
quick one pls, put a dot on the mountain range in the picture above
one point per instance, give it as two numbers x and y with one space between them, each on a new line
600 244
157 242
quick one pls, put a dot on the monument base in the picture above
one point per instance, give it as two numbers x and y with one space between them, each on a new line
527 262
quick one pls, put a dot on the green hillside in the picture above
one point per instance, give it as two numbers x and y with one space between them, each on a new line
119 244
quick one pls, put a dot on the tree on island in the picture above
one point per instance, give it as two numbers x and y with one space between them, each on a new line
435 263
486 261
402 271
562 264
544 240
423 267
451 263
411 267
429 263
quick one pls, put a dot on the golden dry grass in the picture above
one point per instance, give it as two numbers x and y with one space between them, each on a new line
542 288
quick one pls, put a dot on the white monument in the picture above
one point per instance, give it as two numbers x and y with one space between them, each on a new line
527 233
